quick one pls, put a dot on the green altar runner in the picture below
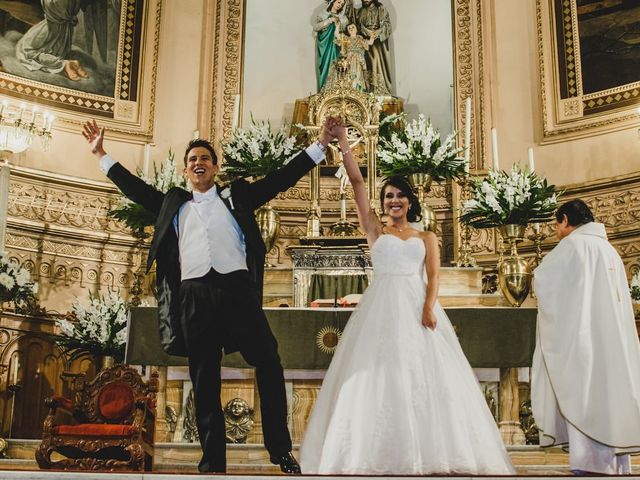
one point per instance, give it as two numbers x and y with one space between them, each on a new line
490 337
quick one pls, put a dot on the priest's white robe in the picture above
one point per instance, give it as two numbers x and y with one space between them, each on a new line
586 366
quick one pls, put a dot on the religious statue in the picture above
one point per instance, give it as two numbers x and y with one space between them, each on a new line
330 22
352 48
238 420
375 25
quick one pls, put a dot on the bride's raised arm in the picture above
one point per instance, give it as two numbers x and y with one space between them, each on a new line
366 216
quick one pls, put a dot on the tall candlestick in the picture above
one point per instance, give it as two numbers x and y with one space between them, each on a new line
494 147
145 159
467 133
532 167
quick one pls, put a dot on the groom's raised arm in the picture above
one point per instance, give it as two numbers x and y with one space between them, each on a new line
134 188
286 177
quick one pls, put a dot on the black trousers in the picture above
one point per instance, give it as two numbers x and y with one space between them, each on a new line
219 310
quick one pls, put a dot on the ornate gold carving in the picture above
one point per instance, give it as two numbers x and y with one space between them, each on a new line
238 420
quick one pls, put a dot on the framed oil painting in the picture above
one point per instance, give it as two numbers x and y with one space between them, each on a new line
83 58
590 65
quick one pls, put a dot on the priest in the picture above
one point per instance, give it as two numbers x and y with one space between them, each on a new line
585 385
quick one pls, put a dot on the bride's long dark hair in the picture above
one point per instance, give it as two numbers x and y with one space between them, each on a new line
415 212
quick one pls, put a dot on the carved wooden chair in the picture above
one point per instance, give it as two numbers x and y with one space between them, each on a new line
112 427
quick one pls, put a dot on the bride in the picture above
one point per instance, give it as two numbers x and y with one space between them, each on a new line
399 396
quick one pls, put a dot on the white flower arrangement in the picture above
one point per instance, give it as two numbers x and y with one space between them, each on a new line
503 198
412 147
257 150
99 328
163 179
634 287
16 284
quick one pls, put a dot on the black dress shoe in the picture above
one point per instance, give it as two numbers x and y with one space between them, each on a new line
288 463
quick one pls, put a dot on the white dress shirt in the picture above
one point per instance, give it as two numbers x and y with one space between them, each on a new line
208 235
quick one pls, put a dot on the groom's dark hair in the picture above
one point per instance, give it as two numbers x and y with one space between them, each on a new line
199 142
577 212
415 211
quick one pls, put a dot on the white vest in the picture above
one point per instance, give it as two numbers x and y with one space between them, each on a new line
209 237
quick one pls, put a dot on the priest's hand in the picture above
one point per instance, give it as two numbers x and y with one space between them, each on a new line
428 318
94 136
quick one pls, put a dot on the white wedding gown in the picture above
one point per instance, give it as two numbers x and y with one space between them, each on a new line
399 398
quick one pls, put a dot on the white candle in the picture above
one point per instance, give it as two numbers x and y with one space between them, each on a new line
532 167
536 228
236 112
47 128
14 372
145 159
196 134
494 147
343 207
467 133
3 105
21 112
33 115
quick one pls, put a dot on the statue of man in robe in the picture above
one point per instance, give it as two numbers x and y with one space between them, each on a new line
375 24
585 381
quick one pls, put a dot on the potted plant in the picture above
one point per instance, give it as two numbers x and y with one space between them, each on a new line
136 217
510 201
256 151
634 288
98 329
416 151
16 285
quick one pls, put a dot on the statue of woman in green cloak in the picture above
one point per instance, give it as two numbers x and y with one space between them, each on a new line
325 25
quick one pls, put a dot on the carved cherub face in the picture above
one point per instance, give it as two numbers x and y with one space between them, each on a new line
237 408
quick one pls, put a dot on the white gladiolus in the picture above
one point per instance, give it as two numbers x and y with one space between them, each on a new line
7 281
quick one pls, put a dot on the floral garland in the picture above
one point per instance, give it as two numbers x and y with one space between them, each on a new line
163 179
412 147
99 328
257 150
16 285
503 198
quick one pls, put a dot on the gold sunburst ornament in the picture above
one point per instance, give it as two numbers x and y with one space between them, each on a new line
328 338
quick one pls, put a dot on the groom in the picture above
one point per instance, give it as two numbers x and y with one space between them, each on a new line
209 256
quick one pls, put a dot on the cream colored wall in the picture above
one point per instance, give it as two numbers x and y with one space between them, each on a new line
517 106
279 62
176 104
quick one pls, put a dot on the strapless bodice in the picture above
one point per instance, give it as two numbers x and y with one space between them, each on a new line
391 255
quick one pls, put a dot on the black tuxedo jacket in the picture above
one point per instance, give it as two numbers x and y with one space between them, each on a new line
244 198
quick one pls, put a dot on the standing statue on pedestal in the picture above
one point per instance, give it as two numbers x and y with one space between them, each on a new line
327 25
353 48
375 25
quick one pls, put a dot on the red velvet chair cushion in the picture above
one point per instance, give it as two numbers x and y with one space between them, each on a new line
116 401
94 430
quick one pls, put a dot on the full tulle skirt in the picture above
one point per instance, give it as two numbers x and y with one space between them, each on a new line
399 398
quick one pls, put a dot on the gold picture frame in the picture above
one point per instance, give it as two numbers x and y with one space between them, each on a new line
119 87
580 97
